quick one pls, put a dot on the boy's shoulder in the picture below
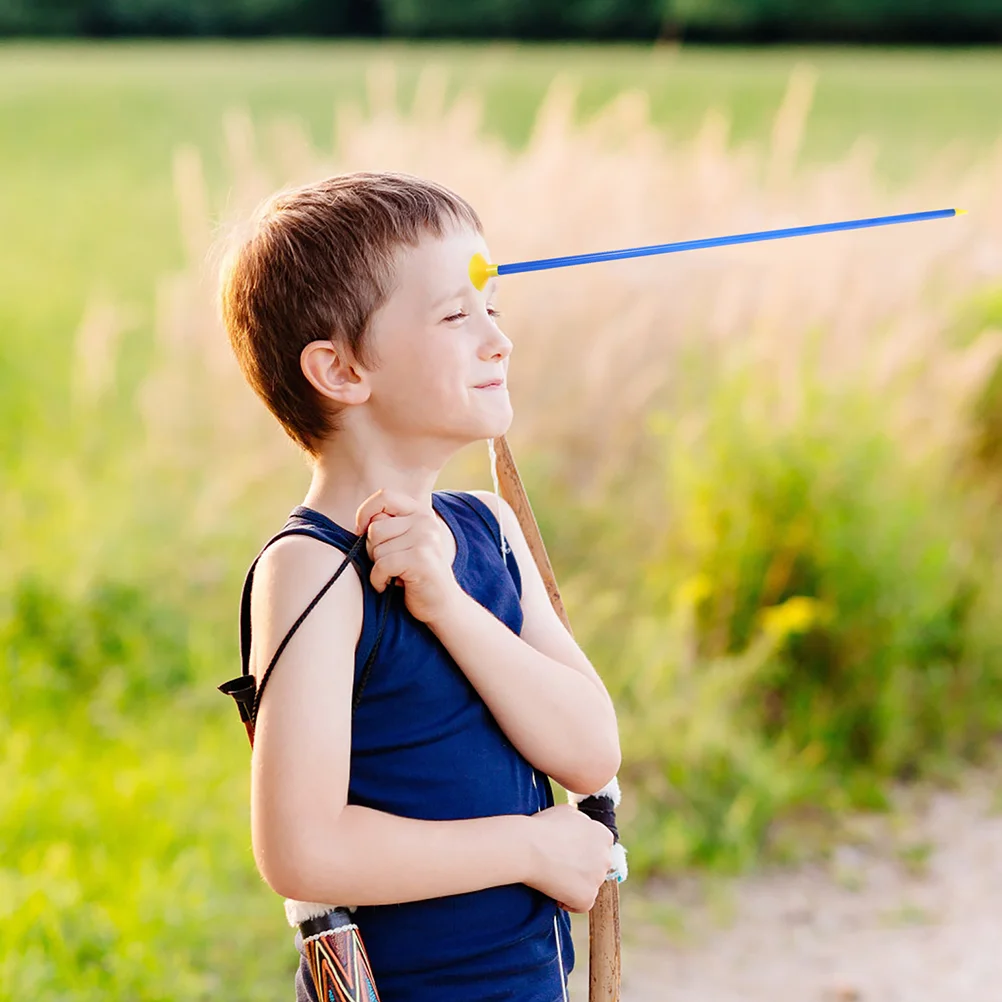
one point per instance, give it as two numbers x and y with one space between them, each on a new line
489 498
290 573
492 501
298 558
502 512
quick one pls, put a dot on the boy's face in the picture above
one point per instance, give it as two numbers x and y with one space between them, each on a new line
438 344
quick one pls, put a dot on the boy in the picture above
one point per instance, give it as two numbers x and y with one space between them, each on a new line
350 309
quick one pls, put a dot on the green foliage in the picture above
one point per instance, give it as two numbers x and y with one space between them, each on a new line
814 620
124 866
116 642
828 541
186 17
524 18
600 19
834 18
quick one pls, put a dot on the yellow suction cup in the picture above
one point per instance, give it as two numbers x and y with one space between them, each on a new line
961 212
481 271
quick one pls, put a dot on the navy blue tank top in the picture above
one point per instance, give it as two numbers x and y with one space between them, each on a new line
425 745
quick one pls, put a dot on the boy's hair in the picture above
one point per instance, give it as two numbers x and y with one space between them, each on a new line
317 264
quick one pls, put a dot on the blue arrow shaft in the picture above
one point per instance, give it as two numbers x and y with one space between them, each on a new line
738 238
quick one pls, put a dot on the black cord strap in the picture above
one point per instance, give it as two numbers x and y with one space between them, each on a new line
244 689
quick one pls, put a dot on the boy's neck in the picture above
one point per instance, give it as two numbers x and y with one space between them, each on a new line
344 476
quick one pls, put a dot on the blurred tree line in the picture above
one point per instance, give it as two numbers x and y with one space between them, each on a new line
700 20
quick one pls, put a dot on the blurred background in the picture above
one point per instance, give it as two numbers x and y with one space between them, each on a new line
768 476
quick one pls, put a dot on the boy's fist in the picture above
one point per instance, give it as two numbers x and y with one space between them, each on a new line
406 540
570 856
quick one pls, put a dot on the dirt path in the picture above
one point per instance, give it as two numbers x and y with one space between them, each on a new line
914 914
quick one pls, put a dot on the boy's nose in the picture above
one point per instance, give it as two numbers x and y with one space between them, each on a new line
496 345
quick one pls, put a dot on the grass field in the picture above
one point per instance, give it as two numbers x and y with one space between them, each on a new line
828 549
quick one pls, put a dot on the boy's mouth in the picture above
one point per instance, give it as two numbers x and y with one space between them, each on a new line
494 384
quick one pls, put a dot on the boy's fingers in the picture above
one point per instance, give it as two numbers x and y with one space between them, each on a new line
381 548
386 568
383 527
390 502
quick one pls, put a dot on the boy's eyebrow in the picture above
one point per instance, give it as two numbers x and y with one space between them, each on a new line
490 288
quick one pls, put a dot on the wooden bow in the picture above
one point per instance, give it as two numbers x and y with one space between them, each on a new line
603 920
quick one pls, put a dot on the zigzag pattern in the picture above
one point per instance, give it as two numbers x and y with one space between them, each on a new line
340 967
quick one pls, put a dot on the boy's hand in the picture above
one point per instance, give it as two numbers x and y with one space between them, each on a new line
408 541
571 855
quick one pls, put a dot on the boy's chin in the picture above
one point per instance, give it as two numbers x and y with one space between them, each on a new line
477 427
485 430
494 429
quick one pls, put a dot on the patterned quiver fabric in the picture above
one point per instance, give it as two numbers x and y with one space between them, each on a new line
337 959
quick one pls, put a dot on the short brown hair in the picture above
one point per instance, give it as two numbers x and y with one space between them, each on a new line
317 264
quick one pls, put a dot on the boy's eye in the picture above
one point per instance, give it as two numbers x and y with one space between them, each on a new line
459 314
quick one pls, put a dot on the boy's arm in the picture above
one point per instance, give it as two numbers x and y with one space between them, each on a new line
540 686
307 843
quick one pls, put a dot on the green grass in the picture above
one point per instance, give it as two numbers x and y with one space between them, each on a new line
125 867
125 859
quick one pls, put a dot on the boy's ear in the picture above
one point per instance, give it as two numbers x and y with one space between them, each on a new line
333 373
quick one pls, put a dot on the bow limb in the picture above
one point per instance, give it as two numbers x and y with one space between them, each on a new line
604 962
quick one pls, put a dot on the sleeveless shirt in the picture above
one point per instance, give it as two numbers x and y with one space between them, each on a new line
425 745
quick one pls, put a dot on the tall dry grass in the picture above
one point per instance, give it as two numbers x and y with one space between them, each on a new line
597 347
750 462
